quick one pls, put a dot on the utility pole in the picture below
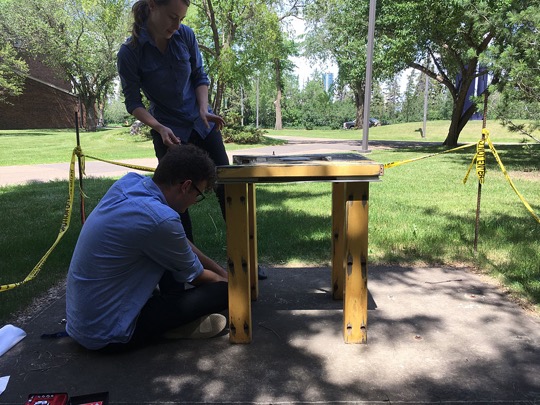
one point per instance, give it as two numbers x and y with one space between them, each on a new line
426 88
257 86
369 73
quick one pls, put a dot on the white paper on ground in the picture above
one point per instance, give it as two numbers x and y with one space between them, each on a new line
3 383
9 336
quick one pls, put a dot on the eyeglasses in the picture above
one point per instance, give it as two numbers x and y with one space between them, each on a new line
200 196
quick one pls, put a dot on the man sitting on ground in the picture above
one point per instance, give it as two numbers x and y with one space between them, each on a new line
134 240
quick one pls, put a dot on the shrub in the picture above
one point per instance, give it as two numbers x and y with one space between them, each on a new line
115 113
231 134
242 135
140 129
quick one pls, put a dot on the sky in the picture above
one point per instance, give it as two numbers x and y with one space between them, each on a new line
304 68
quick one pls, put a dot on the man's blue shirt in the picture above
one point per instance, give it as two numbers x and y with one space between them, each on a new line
168 80
127 243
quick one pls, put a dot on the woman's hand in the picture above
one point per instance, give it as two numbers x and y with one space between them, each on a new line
168 137
216 119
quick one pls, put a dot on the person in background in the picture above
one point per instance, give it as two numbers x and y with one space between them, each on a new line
162 59
130 241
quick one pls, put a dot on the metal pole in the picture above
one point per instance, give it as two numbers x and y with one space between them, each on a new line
479 196
425 104
83 215
257 84
242 104
369 70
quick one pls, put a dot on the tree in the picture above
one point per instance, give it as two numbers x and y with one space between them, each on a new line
80 38
517 66
393 100
337 31
238 38
412 108
315 103
378 109
12 72
461 38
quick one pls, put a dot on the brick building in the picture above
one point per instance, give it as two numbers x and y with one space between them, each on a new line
46 102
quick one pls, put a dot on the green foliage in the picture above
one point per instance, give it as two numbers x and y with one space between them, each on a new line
460 37
12 72
517 64
80 38
337 31
238 38
115 113
242 135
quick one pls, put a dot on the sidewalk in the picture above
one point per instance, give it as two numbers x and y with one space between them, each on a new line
436 335
12 175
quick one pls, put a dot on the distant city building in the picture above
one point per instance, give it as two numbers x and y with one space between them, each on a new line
328 81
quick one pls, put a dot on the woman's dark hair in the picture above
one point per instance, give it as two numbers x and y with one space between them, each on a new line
185 162
141 10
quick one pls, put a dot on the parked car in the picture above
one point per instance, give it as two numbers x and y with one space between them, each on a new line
373 122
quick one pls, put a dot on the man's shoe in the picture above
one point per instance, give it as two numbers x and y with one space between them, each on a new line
203 328
261 273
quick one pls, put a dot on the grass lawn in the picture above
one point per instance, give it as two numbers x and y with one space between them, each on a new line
28 147
420 213
436 131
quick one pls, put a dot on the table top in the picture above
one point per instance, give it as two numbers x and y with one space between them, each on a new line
334 167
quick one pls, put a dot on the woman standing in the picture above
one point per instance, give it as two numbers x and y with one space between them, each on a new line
162 59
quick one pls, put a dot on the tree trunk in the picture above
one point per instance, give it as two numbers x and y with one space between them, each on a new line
220 88
460 97
359 94
279 123
90 113
101 115
459 117
459 120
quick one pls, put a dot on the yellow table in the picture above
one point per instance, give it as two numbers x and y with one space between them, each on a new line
350 195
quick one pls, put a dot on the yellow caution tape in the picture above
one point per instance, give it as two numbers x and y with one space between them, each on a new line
525 203
130 166
479 157
481 161
469 169
63 228
394 164
77 152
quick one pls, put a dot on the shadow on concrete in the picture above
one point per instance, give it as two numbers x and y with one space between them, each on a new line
436 335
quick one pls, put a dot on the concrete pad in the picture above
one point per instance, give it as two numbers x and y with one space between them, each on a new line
435 335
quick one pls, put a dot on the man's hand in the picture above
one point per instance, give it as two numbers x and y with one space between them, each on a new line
208 276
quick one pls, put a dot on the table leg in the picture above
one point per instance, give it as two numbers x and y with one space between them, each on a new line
356 297
253 259
338 240
237 202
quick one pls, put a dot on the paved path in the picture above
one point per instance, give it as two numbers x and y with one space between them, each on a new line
12 175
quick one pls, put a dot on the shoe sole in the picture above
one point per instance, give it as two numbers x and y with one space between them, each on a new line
203 328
